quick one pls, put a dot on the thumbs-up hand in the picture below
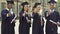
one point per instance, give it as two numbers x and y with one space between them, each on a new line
9 14
49 12
23 14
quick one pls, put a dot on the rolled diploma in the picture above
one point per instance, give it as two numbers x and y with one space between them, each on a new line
13 19
52 21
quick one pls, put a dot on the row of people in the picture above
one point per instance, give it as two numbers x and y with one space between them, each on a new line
8 19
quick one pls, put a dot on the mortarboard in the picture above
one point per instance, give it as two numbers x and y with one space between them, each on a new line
10 1
36 4
24 3
52 1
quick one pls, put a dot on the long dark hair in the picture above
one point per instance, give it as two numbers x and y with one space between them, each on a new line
23 9
23 5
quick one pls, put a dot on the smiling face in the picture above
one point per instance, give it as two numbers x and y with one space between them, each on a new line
9 5
26 7
37 8
51 6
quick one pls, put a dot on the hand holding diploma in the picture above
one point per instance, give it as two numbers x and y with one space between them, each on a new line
28 20
55 22
58 23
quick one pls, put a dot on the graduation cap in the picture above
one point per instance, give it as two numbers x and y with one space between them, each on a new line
36 4
24 3
10 1
52 1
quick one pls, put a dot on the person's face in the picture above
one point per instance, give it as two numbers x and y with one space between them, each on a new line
26 7
9 5
38 8
51 6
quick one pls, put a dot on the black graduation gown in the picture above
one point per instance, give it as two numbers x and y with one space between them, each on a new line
50 27
24 26
7 27
37 28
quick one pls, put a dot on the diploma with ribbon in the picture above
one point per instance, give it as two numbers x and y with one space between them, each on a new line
13 19
55 22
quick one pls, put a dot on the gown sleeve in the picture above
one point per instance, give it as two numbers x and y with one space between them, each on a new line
4 15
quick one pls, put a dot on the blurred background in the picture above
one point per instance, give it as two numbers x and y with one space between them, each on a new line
17 8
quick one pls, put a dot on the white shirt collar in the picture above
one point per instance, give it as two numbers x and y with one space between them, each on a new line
10 10
52 10
7 9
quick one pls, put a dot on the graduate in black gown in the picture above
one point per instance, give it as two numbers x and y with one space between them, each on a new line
53 18
25 20
37 27
7 26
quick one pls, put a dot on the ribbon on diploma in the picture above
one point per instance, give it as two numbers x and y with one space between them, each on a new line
13 19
